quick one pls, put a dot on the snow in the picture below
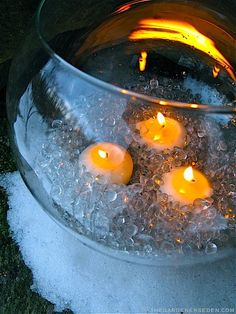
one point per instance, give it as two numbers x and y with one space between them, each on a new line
73 276
48 250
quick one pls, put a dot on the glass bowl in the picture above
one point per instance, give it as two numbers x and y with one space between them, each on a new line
123 123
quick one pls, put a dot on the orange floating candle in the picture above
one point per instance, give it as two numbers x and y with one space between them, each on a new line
186 184
161 132
109 160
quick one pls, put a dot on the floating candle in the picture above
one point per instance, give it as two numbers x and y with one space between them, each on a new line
161 132
109 160
186 184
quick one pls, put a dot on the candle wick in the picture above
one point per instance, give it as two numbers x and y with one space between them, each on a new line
162 125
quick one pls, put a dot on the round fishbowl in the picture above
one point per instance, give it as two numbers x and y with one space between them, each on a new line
123 123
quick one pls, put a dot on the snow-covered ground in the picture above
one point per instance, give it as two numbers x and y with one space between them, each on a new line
73 276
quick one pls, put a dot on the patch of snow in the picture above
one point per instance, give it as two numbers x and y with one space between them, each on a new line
74 276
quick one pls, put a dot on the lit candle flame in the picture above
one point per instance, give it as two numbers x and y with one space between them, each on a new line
182 32
215 71
188 174
142 61
102 154
161 119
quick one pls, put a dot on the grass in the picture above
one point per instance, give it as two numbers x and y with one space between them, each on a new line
16 296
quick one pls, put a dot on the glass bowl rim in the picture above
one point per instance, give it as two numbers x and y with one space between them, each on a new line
134 96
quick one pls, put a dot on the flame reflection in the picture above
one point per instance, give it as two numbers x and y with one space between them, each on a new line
182 32
128 5
194 106
142 61
215 71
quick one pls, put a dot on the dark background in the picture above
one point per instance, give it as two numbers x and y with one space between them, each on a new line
15 278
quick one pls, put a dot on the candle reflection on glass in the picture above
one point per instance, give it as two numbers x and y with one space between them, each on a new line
142 61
